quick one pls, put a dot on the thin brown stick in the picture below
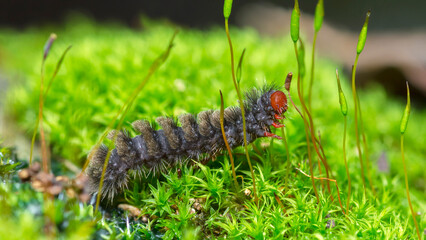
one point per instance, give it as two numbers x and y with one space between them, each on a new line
311 168
312 71
242 109
364 141
234 175
323 159
358 144
320 173
407 188
319 163
44 157
39 121
316 140
288 160
44 152
347 168
331 180
310 126
279 202
58 66
287 84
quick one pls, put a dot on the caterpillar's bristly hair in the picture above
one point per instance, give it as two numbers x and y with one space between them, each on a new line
189 127
204 126
170 130
147 132
199 139
115 176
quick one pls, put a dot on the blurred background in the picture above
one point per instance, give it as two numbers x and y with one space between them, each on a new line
395 50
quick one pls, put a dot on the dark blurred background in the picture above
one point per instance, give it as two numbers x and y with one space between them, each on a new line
395 50
388 14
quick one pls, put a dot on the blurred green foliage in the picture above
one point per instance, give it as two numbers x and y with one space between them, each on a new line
26 214
107 62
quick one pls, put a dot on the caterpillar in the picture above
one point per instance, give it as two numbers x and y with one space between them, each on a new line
198 138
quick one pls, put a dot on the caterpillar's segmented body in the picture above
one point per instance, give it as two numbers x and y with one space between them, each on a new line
155 150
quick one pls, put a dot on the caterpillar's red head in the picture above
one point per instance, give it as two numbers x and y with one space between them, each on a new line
279 102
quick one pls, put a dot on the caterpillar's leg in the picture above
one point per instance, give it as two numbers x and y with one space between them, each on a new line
278 116
276 125
268 134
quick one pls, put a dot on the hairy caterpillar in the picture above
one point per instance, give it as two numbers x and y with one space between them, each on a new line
199 138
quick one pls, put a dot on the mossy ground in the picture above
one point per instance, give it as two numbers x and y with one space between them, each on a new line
108 61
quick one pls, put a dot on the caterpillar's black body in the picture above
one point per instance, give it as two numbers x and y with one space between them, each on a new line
154 150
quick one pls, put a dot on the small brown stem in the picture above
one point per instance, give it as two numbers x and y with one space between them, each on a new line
234 175
364 141
58 66
310 125
356 121
331 180
279 202
242 110
407 188
347 168
312 71
316 140
306 123
44 155
288 160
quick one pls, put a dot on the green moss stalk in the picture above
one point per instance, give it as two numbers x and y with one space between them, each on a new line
226 13
47 48
318 19
294 32
305 111
47 198
360 47
239 67
287 174
364 143
231 158
344 110
39 122
403 128
58 66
